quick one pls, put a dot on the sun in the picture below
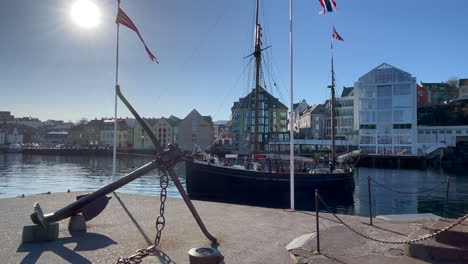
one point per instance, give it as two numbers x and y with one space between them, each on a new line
85 13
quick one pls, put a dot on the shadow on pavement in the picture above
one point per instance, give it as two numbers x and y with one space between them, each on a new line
142 232
84 242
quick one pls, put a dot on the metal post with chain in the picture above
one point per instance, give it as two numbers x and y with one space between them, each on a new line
410 241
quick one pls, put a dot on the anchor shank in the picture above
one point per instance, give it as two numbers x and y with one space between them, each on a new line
77 207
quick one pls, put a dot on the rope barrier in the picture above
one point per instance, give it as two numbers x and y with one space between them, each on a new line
411 241
402 192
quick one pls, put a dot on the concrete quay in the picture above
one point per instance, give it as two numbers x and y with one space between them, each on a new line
246 234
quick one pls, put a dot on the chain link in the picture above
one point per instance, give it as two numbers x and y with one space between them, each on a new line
160 224
423 191
411 241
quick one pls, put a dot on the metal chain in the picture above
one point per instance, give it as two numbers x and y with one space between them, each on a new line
423 191
160 224
411 241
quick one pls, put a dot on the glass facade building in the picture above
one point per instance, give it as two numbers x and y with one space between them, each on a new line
385 107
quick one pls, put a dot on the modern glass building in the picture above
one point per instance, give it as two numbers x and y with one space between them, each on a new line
385 111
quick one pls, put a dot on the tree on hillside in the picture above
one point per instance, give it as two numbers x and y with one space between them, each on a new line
82 121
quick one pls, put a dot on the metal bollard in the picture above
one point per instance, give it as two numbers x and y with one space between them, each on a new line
446 197
317 220
370 199
204 256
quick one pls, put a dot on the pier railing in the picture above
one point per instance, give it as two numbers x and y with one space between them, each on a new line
431 189
318 200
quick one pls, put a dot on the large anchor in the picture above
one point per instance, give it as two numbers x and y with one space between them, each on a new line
91 205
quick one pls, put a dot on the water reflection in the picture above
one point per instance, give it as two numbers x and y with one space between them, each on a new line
385 201
32 174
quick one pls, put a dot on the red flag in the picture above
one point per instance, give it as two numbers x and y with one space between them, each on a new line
336 35
123 19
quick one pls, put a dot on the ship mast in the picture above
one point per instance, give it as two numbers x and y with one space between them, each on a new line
332 117
258 58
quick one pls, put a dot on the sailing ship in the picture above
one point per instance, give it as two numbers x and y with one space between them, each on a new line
209 179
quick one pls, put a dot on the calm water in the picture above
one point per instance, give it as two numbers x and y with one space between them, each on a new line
30 174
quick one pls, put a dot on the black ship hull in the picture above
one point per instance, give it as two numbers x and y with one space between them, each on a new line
226 184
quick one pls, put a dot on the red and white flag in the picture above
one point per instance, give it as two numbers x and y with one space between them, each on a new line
124 20
336 35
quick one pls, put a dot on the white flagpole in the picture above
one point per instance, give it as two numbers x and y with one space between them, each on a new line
291 114
114 152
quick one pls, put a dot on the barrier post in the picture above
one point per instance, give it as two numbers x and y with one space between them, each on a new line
446 197
317 219
370 199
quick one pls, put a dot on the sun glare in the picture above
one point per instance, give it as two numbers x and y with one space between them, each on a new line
85 13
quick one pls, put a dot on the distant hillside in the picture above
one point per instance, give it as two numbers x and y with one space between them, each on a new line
451 114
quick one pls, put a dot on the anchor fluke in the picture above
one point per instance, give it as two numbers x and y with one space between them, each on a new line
95 208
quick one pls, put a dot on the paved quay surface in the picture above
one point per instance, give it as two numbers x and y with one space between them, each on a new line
246 234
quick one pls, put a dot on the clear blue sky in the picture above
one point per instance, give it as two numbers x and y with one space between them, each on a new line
52 69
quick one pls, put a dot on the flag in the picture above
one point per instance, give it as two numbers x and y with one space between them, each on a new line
124 20
336 35
328 6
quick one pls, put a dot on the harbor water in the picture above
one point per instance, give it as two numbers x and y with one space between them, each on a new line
33 174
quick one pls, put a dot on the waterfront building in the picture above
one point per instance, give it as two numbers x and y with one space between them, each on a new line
344 115
272 120
312 122
165 130
223 137
140 138
5 116
423 96
440 93
14 137
76 135
432 138
26 121
2 137
106 136
85 134
195 129
299 108
222 132
93 131
385 111
56 137
463 88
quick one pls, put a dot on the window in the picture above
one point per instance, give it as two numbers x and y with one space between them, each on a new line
384 103
384 116
402 89
367 103
384 91
367 140
403 139
401 126
367 126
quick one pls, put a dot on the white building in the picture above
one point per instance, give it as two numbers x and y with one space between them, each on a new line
26 121
344 115
385 111
431 138
14 137
2 137
463 88
299 108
